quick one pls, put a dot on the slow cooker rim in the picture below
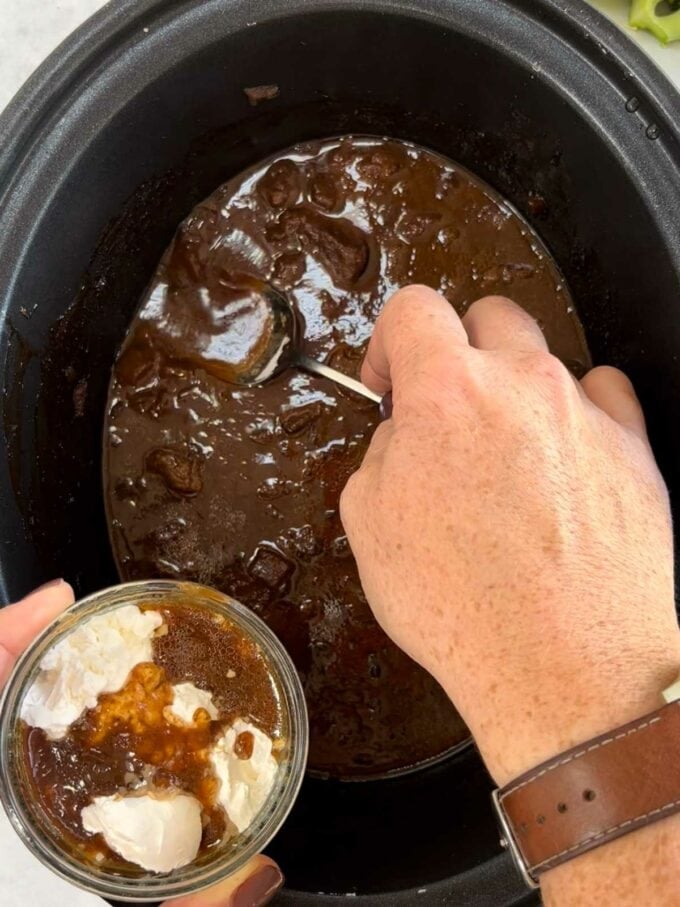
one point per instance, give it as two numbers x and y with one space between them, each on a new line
499 869
69 64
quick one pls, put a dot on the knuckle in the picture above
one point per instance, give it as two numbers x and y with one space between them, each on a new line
543 365
410 293
499 308
544 377
491 302
411 304
399 307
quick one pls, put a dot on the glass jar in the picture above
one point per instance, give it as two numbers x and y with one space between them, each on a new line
35 827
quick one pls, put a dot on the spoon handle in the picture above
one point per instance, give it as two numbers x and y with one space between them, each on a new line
319 368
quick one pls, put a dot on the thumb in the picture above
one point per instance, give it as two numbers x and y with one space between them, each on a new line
252 886
21 622
415 325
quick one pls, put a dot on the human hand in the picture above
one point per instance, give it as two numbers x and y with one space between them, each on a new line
512 530
252 886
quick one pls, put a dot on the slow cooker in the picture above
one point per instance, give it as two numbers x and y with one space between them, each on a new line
142 112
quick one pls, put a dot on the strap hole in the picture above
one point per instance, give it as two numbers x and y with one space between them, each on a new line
561 807
589 795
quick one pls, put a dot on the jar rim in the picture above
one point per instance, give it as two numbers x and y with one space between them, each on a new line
192 877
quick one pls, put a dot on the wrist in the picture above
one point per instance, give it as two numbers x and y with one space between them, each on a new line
537 721
570 811
639 868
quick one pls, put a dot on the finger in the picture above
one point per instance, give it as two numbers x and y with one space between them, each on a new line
612 392
354 498
415 323
497 323
21 622
252 886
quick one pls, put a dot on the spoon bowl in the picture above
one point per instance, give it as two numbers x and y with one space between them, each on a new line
276 348
268 328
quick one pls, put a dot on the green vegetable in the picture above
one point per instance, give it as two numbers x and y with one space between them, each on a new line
666 28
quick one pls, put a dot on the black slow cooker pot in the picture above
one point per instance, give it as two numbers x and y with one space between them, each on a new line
142 113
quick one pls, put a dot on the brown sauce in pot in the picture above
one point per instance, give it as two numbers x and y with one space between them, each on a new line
238 488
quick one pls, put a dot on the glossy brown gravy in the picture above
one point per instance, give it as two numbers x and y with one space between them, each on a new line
238 488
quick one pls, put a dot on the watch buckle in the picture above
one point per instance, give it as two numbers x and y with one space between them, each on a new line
509 843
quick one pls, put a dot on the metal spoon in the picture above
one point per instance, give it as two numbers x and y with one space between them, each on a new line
282 349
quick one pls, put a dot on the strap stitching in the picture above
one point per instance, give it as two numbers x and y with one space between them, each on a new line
578 755
605 833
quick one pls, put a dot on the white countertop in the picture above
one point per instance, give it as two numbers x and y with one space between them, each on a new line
666 57
29 31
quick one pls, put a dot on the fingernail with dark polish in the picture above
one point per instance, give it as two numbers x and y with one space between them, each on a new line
53 583
386 406
259 888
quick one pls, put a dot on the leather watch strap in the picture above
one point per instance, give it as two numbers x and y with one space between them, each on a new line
594 793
